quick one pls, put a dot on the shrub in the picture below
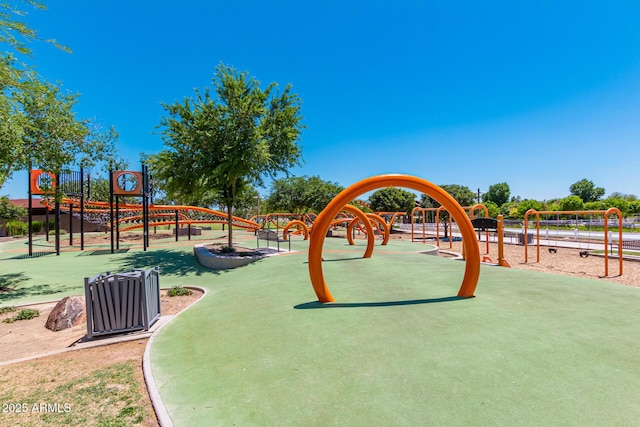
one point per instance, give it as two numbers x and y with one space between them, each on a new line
227 250
24 314
178 291
17 228
8 309
36 226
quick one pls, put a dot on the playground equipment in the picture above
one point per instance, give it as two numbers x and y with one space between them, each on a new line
360 216
606 214
377 221
115 215
276 219
423 212
390 217
47 184
497 226
301 227
436 212
323 222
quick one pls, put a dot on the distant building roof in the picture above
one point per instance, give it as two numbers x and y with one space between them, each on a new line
24 203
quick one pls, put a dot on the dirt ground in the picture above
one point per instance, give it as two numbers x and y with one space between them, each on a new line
29 338
565 261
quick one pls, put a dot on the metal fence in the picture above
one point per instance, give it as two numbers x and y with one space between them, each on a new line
122 302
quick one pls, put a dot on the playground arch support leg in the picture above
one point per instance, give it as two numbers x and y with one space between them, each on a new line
323 221
367 225
301 226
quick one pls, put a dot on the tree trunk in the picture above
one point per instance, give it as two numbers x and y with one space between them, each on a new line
230 211
230 225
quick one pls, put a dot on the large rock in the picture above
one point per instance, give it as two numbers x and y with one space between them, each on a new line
67 313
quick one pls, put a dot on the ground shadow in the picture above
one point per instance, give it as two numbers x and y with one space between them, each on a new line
11 289
317 304
10 281
170 262
338 259
34 255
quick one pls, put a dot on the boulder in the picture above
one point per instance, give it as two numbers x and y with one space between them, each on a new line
67 313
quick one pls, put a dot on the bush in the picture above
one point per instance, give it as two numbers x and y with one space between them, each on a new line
8 309
17 228
178 291
24 314
36 226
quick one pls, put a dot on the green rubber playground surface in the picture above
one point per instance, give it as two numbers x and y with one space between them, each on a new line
396 348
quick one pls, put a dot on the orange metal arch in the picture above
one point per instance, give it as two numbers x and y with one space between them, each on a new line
301 226
386 228
393 215
475 207
367 225
323 221
382 224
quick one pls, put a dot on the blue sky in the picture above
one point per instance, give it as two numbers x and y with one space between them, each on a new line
538 94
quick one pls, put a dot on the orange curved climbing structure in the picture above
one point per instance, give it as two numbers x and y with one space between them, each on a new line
323 222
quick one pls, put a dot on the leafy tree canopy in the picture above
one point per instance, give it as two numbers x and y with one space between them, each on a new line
463 195
586 190
571 203
497 193
301 194
38 128
392 199
527 204
621 204
218 144
362 205
9 211
627 197
493 209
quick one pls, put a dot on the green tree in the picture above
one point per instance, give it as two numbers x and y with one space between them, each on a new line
463 195
38 127
53 138
301 194
595 206
527 204
10 212
16 34
219 144
362 205
498 194
247 202
508 209
392 199
586 190
619 195
493 209
571 203
621 204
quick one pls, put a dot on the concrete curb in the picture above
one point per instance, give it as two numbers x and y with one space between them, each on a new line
162 413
